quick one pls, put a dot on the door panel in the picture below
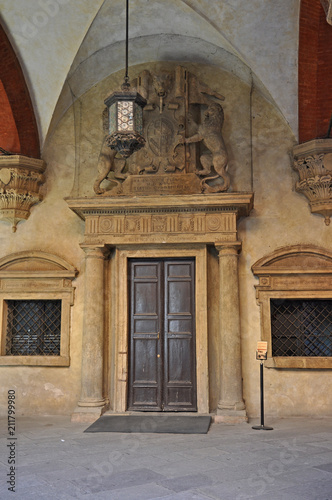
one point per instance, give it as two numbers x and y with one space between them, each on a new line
179 365
162 374
145 367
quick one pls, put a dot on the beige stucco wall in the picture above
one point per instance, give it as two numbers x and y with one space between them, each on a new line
280 217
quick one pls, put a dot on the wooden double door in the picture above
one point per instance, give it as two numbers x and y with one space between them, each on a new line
162 355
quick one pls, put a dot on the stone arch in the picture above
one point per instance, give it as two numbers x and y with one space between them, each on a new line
18 126
36 262
296 259
315 71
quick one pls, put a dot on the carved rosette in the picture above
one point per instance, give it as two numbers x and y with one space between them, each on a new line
20 181
313 161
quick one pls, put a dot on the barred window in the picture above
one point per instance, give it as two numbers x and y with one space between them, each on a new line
301 327
33 327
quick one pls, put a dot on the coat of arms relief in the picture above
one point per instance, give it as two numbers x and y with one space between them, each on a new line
184 151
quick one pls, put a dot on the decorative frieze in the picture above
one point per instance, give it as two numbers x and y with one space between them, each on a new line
167 223
20 180
313 161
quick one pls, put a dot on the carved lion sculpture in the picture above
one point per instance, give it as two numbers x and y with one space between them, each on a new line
210 134
107 162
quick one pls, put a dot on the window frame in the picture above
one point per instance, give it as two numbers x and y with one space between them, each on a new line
310 334
39 336
20 279
297 272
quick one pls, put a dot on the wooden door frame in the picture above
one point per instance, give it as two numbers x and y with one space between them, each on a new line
119 342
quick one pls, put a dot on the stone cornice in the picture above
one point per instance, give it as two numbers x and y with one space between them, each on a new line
316 146
240 203
21 161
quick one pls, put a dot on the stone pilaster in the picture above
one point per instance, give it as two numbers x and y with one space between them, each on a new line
92 402
231 407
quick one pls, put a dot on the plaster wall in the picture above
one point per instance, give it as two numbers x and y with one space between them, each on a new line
281 217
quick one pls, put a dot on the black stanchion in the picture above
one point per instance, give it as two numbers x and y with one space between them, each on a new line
262 427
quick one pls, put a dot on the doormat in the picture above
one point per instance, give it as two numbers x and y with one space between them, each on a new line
152 424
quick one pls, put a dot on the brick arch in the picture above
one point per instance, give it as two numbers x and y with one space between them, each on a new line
315 71
18 127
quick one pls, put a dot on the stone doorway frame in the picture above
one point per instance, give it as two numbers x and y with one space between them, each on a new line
144 224
120 332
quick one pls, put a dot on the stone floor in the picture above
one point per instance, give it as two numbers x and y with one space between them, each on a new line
56 460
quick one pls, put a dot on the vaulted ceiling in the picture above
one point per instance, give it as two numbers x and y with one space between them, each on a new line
67 46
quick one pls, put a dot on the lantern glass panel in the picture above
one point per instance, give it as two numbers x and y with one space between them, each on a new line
125 116
112 118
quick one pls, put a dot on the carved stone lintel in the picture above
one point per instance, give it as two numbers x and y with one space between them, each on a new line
20 180
313 161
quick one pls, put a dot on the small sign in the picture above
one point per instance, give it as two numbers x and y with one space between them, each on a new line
261 352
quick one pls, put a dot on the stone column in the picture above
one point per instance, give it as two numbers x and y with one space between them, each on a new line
231 407
92 401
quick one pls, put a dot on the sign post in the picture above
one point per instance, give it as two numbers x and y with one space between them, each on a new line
261 354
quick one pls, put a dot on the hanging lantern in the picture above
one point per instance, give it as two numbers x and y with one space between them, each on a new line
125 112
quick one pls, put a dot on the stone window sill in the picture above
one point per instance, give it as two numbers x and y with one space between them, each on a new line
318 363
34 360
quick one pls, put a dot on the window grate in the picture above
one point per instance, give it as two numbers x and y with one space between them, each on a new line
301 327
33 327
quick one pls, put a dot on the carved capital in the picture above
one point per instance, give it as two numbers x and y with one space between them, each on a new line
20 181
228 248
95 252
313 162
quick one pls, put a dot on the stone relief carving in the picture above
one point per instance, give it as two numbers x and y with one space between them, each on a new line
184 152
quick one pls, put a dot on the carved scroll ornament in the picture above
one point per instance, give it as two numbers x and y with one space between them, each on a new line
184 152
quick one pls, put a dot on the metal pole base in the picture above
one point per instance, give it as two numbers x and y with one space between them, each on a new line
262 428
